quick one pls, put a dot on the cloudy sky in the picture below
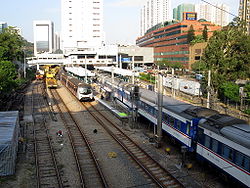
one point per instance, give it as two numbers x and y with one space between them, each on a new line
121 17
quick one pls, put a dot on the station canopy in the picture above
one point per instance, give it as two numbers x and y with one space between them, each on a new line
119 71
79 71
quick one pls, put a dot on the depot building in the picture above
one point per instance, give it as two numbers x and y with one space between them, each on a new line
169 39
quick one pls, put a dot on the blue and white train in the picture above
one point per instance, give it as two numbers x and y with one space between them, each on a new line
221 140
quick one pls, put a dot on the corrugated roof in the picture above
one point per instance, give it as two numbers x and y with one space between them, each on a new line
8 122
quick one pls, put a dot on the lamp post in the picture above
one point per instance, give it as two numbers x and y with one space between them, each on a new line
24 62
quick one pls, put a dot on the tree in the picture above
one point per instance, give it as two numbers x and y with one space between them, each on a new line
169 64
204 33
11 44
197 39
190 34
227 54
198 66
230 91
8 75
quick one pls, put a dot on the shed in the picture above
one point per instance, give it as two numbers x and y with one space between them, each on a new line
9 132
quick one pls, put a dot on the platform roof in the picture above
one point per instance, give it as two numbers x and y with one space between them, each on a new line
79 71
123 72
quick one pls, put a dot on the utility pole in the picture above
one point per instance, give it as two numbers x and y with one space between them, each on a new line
133 69
173 90
159 117
209 87
24 66
86 77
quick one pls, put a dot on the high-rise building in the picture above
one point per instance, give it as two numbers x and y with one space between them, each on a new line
178 12
82 25
217 14
43 36
154 12
3 25
244 12
56 41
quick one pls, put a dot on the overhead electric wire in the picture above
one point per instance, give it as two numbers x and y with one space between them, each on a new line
219 8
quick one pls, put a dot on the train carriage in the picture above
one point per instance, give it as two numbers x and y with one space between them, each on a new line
78 88
221 140
224 142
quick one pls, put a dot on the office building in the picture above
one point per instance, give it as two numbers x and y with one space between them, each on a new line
244 12
43 36
56 41
154 12
170 43
82 25
3 25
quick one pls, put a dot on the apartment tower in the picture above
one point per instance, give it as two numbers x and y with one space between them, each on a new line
244 12
82 25
154 12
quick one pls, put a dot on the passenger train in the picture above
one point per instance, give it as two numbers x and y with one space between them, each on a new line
218 139
81 90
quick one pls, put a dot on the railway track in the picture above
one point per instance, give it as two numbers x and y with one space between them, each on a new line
89 170
160 176
47 170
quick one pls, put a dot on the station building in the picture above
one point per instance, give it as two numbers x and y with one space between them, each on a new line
169 39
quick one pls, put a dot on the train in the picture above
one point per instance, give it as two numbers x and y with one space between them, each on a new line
50 80
81 90
39 75
218 139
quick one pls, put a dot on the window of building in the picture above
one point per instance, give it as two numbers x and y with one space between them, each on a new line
138 58
197 51
197 58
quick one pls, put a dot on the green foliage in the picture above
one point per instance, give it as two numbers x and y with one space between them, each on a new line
247 91
190 34
147 77
229 90
8 75
198 66
204 33
10 45
169 64
247 111
227 55
197 39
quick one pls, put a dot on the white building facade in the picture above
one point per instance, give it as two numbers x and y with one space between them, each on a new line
82 25
43 36
217 14
154 12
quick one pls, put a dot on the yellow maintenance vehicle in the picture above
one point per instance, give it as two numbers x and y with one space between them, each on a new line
50 76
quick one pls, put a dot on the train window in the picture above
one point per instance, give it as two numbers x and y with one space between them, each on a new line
242 160
200 135
188 128
215 145
178 124
171 120
165 117
207 141
227 152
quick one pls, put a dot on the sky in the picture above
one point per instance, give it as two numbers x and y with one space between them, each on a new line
121 17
